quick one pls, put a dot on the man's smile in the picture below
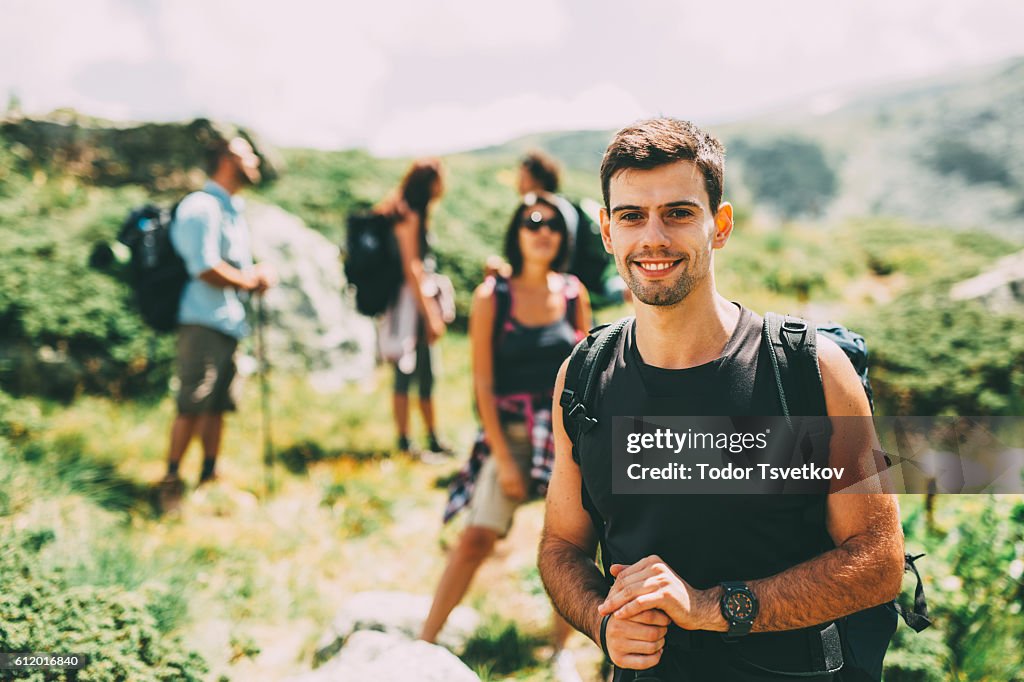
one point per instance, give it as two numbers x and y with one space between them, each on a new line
657 268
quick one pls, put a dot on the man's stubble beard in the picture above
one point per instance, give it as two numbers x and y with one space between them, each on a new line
664 294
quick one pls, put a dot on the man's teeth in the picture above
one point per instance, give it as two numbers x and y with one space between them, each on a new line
657 266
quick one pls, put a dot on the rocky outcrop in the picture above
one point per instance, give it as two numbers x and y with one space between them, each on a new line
310 328
1000 289
397 613
388 657
159 156
373 638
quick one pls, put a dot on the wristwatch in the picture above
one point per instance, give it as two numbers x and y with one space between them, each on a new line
739 608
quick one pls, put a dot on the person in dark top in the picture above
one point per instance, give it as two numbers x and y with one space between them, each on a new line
416 314
799 560
521 329
540 173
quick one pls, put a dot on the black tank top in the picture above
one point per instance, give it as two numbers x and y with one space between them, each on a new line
706 539
527 358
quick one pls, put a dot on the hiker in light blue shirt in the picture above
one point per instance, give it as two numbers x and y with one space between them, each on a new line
209 228
210 233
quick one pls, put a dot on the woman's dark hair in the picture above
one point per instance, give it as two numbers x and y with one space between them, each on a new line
420 184
514 255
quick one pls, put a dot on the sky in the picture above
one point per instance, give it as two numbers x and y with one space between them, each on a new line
405 77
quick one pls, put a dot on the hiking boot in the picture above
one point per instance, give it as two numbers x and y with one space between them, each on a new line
405 447
169 492
438 448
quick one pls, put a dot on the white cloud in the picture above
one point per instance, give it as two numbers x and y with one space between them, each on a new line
445 127
309 72
43 43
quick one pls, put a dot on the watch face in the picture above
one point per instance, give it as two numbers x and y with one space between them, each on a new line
740 606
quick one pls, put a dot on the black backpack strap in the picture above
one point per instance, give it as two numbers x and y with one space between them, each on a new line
502 308
588 358
793 346
572 297
917 617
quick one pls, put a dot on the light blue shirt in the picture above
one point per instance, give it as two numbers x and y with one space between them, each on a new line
209 228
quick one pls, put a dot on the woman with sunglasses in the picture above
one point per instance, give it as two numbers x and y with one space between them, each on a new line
521 330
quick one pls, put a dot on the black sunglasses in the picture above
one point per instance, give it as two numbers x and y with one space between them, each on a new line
534 221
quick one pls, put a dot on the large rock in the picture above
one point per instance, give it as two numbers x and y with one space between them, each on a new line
387 657
398 613
160 156
1000 289
310 326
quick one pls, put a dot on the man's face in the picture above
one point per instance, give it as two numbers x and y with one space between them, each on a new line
662 232
245 160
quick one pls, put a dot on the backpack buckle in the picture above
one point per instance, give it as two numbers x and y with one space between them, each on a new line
794 331
566 398
578 413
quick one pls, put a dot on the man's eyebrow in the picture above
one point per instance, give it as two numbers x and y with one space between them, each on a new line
692 203
626 207
683 202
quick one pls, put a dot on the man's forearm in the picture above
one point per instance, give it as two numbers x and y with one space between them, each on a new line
852 577
845 580
574 583
226 276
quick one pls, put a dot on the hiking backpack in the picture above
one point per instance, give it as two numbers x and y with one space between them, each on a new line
864 635
373 263
588 260
156 272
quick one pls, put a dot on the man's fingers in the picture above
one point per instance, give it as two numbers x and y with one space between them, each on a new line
627 630
626 589
652 617
638 566
644 647
638 661
644 602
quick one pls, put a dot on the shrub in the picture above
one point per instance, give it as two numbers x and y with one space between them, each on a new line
111 626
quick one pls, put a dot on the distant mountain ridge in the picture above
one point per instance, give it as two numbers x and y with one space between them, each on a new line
944 151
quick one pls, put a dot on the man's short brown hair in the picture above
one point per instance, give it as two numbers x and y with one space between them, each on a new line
660 141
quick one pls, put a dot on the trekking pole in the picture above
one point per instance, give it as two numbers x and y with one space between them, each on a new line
261 352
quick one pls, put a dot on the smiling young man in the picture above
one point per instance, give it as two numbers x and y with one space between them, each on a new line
706 587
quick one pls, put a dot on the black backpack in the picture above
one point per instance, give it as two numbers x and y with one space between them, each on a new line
588 260
864 635
156 271
373 263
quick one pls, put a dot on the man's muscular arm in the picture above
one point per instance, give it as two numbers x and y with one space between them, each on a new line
568 543
864 569
566 563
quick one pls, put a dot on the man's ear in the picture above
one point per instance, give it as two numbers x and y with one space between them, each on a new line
606 230
723 225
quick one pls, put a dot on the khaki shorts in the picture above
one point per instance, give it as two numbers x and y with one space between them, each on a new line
489 506
206 369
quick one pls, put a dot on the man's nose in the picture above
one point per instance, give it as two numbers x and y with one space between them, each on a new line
655 234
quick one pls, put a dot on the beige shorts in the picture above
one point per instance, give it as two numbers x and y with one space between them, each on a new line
206 369
489 506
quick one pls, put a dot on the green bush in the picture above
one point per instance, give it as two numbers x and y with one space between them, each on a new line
932 356
112 626
68 328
